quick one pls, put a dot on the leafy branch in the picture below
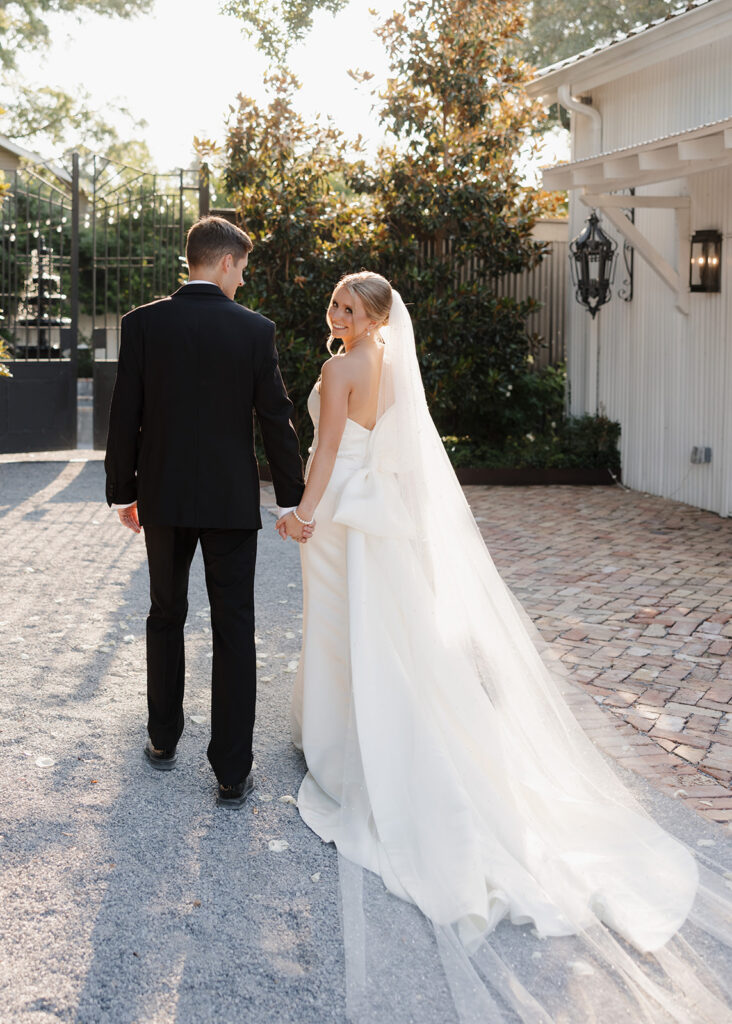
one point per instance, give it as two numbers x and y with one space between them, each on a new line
277 25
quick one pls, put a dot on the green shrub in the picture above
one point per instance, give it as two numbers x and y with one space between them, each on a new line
4 354
85 361
583 442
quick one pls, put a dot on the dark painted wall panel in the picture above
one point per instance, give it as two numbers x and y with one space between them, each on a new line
38 407
105 372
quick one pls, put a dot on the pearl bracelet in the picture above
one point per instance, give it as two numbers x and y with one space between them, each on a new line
305 522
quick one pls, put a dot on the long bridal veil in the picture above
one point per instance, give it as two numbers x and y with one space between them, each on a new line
522 880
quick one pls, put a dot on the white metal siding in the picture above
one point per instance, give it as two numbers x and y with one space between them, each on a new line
665 376
668 97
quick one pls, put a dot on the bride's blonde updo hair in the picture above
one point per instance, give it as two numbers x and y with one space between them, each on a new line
375 293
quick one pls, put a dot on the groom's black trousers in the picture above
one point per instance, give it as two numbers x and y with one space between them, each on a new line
229 557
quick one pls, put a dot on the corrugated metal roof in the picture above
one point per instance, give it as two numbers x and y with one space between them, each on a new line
660 140
676 12
629 165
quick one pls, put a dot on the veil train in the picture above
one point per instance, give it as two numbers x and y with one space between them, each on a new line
533 885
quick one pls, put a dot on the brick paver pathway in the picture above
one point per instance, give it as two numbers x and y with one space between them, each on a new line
635 592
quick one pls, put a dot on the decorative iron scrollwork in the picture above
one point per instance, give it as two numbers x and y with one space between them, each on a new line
625 288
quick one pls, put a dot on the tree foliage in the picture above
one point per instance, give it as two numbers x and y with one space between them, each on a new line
276 25
4 354
51 117
24 23
441 211
451 192
553 29
287 177
47 116
557 29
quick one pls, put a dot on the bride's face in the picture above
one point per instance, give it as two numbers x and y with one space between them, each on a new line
346 316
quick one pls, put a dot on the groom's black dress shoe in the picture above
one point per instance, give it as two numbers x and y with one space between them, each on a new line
235 796
161 760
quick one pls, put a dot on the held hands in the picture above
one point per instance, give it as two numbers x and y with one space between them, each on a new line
128 517
288 526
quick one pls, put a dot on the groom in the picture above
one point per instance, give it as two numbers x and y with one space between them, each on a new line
180 462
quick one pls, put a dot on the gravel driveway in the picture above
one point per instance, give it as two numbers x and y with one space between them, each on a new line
127 895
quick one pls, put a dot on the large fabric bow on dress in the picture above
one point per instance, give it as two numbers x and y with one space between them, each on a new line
371 500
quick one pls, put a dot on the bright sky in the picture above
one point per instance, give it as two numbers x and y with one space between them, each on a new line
181 66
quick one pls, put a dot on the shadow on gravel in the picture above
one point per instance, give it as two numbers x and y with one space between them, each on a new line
88 485
199 922
196 920
19 481
137 898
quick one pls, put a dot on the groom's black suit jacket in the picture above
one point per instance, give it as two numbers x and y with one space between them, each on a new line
192 370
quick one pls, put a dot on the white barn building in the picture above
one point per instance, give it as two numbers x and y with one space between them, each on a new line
652 112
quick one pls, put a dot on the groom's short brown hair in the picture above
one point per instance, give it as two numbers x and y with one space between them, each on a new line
211 238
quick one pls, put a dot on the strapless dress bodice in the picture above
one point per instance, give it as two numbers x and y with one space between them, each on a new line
355 439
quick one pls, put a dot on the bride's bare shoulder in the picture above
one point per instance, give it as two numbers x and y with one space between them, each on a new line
337 368
325 371
335 373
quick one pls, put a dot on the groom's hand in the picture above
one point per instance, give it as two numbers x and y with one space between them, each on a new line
288 526
128 518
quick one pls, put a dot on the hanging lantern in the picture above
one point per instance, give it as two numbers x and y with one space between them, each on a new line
705 271
592 260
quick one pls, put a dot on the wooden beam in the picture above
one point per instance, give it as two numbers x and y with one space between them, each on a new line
592 366
659 159
684 170
607 199
702 149
683 254
644 247
708 148
587 175
556 179
620 167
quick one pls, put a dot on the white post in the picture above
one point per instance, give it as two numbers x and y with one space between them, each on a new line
683 239
592 367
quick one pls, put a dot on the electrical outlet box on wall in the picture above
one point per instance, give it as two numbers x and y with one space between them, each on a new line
701 454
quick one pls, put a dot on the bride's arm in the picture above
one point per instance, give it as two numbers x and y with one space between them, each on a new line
335 387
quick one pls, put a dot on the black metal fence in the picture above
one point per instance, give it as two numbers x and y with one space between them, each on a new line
39 255
77 250
135 227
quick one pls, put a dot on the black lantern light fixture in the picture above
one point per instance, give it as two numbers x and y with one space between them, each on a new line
705 270
592 259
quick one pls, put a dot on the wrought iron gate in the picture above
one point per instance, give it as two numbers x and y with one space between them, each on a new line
76 253
137 225
39 248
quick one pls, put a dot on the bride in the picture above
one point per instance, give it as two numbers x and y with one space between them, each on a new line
441 749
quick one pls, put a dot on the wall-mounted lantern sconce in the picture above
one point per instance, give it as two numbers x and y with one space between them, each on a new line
705 271
592 260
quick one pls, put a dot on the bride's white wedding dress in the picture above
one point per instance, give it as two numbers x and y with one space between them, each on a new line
441 751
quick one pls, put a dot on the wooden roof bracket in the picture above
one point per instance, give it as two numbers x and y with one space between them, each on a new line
612 206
